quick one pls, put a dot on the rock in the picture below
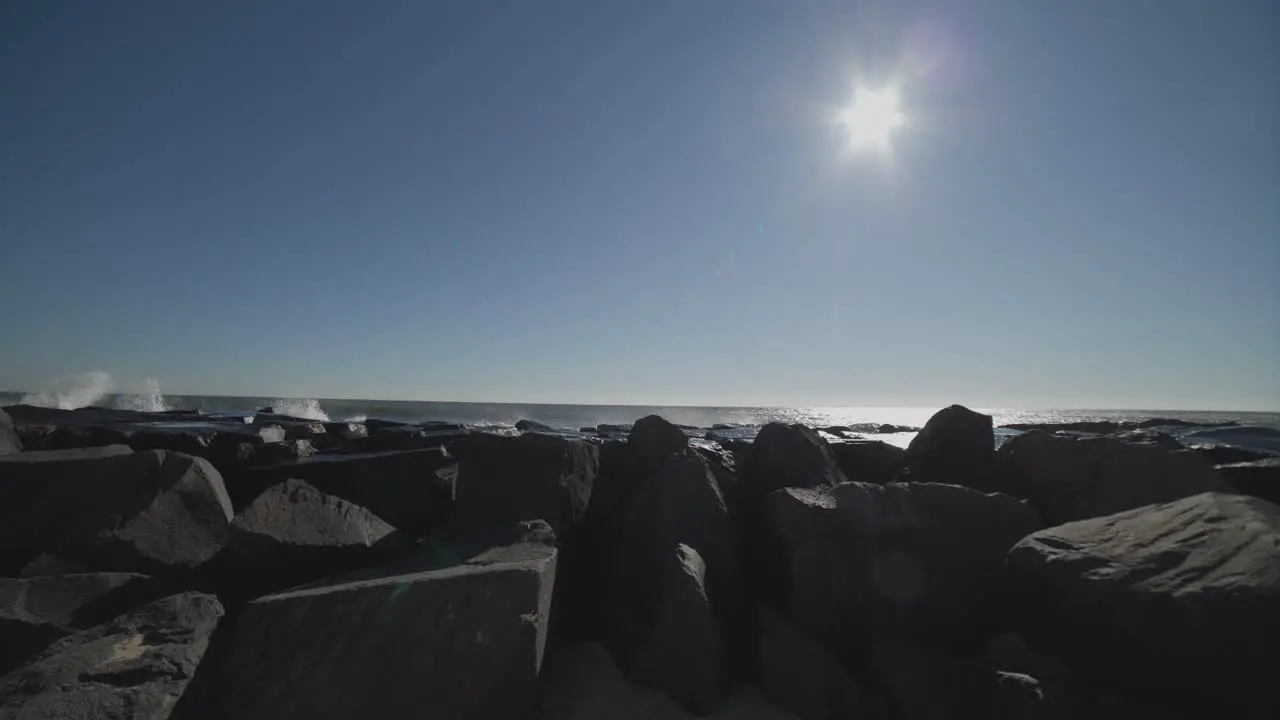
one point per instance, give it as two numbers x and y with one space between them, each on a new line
506 479
345 430
925 684
401 487
151 512
920 560
1260 478
800 676
1174 602
1150 437
613 429
956 447
679 504
47 564
785 456
1075 478
683 654
293 533
869 461
9 442
651 441
533 426
459 642
134 666
34 612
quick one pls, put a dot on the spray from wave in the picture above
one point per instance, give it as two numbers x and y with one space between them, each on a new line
306 408
100 389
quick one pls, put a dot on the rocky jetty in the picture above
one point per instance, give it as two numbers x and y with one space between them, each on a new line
180 565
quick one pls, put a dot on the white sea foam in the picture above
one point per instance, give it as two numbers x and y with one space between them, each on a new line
307 408
75 391
149 400
356 419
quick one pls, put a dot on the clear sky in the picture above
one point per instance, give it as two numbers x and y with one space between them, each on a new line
645 202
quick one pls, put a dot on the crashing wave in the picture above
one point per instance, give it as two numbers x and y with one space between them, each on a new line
305 408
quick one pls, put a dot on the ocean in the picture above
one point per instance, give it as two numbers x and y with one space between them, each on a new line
1260 431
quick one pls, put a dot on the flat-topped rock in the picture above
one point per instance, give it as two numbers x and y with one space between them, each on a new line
113 509
134 666
1075 478
1179 601
461 642
404 488
35 612
921 560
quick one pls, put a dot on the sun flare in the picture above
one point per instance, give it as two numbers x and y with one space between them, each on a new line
872 117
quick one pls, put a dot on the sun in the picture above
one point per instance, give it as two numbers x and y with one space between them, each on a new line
872 118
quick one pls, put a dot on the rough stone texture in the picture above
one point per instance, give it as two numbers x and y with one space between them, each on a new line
293 533
651 441
9 442
871 461
1260 478
679 504
135 666
35 612
115 510
583 683
507 479
785 456
1177 601
925 684
462 642
919 559
957 447
1075 478
403 488
683 653
799 675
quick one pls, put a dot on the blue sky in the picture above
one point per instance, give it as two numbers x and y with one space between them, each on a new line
645 202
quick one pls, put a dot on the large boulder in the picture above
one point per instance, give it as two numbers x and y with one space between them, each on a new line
35 612
799 675
9 442
407 489
871 461
115 510
921 560
136 665
1178 601
925 684
1070 478
463 641
784 456
506 479
683 653
957 447
1260 478
293 533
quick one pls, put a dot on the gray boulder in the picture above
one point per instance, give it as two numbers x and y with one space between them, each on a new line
112 509
463 641
956 447
404 488
802 677
135 666
506 479
920 560
1071 478
1177 602
784 456
9 442
683 653
293 533
34 612
926 684
1260 478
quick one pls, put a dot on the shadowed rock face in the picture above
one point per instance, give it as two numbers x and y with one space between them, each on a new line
1180 600
1260 478
785 456
459 642
919 560
956 447
1075 478
135 666
115 510
799 675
